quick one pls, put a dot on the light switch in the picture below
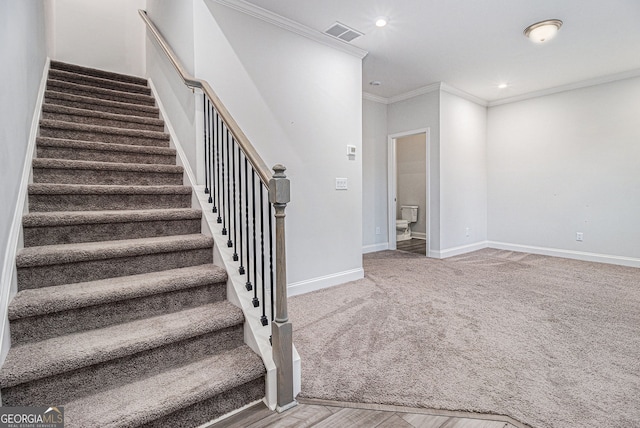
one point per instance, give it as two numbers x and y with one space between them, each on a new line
341 184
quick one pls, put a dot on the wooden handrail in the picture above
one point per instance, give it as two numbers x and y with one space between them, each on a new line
193 82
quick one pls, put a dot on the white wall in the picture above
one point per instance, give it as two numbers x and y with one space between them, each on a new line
411 160
374 178
423 112
108 35
463 173
299 102
175 22
567 163
23 52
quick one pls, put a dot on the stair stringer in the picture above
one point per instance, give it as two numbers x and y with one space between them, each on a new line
256 336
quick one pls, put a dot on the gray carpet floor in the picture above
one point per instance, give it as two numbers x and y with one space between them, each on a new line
550 342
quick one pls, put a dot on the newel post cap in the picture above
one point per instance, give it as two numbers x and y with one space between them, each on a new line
279 186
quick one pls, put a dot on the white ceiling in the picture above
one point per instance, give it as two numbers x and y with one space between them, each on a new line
473 45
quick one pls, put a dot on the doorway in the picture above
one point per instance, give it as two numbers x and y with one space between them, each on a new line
409 188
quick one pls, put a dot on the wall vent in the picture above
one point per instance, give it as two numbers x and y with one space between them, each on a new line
342 32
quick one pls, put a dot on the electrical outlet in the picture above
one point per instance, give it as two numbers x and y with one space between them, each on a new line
377 230
579 236
467 231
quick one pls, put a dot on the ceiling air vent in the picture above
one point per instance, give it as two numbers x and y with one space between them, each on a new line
342 32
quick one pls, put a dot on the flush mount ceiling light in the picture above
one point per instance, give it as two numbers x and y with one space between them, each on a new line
381 21
503 85
543 31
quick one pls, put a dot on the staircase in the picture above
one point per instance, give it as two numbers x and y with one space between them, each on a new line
120 316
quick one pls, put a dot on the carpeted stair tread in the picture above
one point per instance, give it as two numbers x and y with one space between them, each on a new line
92 189
47 255
69 218
98 104
29 303
28 362
79 69
100 82
101 93
81 115
134 404
46 124
105 166
60 148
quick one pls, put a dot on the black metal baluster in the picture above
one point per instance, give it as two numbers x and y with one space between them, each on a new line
222 182
229 208
248 285
256 301
219 220
271 258
235 212
205 108
212 180
263 318
241 268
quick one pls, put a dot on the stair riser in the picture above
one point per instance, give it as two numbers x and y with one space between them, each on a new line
48 203
69 273
70 134
82 319
54 235
55 65
62 388
132 110
102 94
98 82
89 120
214 407
104 156
106 177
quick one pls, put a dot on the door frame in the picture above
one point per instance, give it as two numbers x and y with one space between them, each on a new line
392 179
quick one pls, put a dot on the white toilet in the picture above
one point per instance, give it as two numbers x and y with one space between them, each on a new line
403 226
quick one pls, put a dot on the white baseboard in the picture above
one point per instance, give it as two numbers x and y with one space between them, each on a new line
313 284
14 243
456 251
568 254
419 235
375 247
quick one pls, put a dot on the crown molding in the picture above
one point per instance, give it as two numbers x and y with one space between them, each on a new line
374 98
462 94
569 87
292 26
417 92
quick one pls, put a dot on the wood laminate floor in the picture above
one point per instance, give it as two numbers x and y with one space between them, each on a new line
330 414
413 245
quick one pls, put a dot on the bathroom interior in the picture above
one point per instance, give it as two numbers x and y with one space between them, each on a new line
411 191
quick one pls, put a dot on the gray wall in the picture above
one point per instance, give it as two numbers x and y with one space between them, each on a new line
23 52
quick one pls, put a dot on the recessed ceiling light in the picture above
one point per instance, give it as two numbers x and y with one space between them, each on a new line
375 83
381 21
503 85
543 31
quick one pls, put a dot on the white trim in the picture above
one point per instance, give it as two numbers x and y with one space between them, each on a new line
374 98
375 248
462 94
417 92
228 415
567 254
419 235
569 87
9 279
313 284
456 251
182 157
294 27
